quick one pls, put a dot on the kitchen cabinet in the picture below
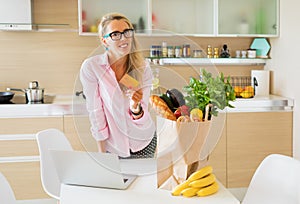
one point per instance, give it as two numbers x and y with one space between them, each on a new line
19 154
91 11
251 137
44 16
183 17
217 159
255 18
247 138
248 18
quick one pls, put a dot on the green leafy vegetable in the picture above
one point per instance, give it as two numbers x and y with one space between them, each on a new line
216 91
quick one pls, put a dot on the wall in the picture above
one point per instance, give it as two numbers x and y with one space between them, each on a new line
285 62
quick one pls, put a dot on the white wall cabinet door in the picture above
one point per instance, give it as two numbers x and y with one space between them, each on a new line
208 18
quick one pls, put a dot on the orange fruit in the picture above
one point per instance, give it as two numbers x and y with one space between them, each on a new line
238 90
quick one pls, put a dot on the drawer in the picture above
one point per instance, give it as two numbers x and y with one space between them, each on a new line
15 148
30 125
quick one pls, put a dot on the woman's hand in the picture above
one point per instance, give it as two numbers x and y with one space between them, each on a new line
136 98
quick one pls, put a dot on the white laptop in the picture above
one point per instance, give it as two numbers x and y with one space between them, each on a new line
93 169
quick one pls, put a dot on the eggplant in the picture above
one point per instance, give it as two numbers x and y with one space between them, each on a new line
168 101
176 97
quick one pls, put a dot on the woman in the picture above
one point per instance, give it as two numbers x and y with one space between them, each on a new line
120 121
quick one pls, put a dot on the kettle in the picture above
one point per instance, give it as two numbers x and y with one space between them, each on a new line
260 81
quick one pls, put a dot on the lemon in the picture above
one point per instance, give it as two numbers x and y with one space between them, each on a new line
246 94
196 115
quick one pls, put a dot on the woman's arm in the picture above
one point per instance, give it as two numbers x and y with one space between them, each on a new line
94 103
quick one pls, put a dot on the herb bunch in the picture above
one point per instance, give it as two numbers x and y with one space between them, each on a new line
209 90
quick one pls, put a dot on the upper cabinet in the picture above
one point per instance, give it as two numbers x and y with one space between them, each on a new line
183 17
253 18
248 17
91 11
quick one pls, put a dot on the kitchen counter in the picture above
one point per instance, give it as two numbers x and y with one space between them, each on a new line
261 104
56 105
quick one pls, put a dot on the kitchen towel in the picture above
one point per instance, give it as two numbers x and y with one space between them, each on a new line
260 80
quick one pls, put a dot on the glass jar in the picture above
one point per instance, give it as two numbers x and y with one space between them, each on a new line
164 49
178 51
186 50
197 53
159 51
153 51
170 51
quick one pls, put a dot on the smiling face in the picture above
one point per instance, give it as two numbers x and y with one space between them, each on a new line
121 47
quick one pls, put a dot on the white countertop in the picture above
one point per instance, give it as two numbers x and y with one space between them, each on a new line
143 190
59 105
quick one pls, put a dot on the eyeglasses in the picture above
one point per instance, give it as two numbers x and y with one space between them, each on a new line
116 35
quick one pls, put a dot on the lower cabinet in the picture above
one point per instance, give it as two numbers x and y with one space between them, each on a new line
217 159
247 138
251 137
24 178
19 154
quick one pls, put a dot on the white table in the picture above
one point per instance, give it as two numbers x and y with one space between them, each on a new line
142 191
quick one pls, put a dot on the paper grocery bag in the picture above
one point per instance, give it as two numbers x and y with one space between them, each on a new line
179 148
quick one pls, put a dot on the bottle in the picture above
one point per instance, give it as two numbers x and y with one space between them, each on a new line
209 51
164 49
216 52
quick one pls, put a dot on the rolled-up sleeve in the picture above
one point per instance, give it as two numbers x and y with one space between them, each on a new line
147 83
94 102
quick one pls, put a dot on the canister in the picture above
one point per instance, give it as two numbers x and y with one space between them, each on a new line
251 53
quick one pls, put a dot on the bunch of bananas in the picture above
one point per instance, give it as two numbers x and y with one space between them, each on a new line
200 183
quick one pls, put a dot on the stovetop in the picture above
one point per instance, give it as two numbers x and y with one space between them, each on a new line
20 99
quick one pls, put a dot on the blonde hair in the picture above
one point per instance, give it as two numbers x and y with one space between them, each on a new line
135 58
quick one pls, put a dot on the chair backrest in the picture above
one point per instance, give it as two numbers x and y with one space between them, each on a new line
50 139
7 195
276 181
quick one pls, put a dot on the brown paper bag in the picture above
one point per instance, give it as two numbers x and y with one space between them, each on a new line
179 148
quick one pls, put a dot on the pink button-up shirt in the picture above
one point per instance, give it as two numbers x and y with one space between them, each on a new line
108 108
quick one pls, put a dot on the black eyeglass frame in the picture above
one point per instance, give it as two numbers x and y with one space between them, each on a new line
130 31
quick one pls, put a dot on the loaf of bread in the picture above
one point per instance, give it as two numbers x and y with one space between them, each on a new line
161 107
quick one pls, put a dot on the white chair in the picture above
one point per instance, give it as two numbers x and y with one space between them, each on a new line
276 181
7 195
50 139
